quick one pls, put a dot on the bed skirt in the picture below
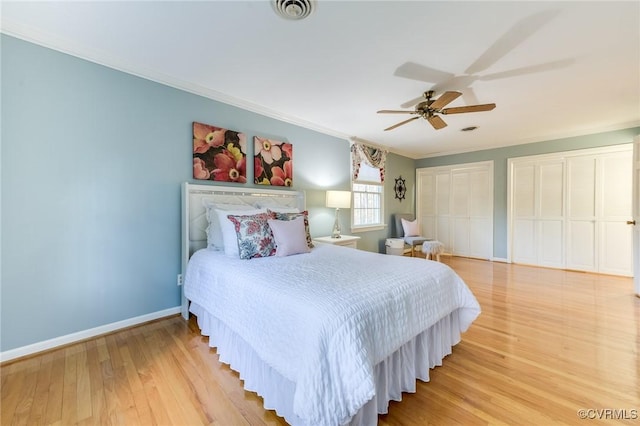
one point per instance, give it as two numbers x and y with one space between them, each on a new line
394 375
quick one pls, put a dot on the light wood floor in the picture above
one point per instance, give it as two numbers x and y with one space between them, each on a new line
547 344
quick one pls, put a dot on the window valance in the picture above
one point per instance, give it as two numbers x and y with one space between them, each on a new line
373 156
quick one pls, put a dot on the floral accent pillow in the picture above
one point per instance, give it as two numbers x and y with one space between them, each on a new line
291 216
255 238
227 229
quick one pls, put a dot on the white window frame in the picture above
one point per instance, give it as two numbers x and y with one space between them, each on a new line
366 179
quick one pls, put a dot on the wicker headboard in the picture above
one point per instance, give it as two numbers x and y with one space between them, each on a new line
194 221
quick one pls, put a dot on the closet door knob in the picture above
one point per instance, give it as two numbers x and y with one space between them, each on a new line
631 222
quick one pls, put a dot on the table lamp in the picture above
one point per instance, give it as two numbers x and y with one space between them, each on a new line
338 200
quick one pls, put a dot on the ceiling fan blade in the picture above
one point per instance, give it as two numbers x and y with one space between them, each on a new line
549 66
445 99
437 122
414 71
394 111
469 108
514 37
401 123
412 102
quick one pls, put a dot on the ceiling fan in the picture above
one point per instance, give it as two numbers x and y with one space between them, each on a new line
428 109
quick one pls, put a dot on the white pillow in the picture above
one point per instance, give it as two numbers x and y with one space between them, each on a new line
411 229
214 233
229 236
290 236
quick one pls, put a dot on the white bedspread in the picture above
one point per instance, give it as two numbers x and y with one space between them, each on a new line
324 319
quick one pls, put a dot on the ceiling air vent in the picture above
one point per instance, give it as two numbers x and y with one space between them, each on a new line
293 9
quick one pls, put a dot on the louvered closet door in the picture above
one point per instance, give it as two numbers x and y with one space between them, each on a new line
481 213
615 248
455 205
443 210
551 214
569 210
426 205
524 238
460 213
581 213
538 209
471 212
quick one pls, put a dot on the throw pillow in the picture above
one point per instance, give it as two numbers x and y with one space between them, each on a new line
410 228
291 216
227 229
254 235
214 231
289 236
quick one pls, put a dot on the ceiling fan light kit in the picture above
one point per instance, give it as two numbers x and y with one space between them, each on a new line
428 109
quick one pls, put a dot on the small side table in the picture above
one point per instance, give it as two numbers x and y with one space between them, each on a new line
344 240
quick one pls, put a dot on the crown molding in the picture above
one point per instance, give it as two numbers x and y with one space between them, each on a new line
72 48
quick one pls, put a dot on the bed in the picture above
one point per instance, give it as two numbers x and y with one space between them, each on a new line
326 337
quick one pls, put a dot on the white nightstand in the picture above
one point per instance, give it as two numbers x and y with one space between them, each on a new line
344 240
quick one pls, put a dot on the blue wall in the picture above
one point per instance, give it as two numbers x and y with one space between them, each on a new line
500 157
92 162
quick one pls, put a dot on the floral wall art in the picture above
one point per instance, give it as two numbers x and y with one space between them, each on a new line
219 154
273 162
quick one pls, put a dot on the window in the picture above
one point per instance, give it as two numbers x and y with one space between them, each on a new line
367 188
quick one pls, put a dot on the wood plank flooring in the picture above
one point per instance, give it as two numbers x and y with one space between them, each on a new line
547 344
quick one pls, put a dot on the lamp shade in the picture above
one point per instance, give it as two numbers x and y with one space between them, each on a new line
339 199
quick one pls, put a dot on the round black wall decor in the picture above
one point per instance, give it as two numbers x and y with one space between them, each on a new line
400 188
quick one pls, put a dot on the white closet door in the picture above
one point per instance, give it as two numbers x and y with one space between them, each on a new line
426 206
480 213
581 214
524 239
570 210
442 201
615 209
460 213
455 204
550 229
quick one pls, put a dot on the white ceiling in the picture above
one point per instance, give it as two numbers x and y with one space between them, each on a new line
554 69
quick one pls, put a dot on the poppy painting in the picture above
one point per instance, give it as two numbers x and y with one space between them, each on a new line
273 162
219 154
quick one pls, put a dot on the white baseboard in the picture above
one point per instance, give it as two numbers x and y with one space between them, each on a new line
499 259
85 334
